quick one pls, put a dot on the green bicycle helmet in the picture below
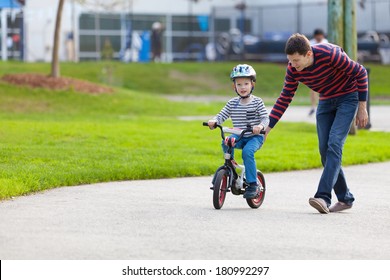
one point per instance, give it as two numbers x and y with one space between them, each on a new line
243 71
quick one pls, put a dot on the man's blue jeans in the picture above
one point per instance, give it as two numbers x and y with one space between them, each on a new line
249 146
334 118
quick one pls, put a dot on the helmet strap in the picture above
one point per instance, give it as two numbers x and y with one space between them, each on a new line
244 97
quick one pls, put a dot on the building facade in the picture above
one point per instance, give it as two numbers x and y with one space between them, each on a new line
189 26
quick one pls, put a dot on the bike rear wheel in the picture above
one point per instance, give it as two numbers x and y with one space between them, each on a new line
220 188
257 201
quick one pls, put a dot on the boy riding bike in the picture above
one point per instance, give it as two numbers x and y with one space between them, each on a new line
245 110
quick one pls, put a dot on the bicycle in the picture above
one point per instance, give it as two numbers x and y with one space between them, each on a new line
227 179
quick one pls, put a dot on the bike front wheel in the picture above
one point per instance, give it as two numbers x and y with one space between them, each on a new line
220 188
257 201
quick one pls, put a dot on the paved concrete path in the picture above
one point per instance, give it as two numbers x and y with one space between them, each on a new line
174 219
379 116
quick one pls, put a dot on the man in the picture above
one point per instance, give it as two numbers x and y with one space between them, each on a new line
318 38
156 41
342 86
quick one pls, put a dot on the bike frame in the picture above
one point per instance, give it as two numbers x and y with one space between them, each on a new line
230 165
230 177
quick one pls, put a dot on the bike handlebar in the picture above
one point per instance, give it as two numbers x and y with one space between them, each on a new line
248 129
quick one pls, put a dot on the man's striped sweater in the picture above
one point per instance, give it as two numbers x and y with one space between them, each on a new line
332 74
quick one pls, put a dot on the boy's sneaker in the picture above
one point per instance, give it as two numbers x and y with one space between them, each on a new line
340 206
251 191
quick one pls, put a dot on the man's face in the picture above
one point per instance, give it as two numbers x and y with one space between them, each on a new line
299 61
243 86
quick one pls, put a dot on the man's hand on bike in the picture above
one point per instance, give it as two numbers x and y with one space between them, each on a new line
212 124
267 131
257 129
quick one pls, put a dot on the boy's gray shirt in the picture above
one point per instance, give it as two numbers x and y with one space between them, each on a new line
242 115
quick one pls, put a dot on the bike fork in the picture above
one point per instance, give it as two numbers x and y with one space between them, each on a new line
229 175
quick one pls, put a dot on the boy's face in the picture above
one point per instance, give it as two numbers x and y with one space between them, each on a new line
299 61
243 86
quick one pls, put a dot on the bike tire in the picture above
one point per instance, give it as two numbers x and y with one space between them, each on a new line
219 188
257 201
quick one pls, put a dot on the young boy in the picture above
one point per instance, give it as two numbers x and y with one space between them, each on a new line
245 110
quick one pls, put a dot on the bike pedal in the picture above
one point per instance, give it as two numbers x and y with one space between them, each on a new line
225 191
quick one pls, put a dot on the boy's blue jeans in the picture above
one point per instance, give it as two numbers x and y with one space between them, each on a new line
249 146
334 118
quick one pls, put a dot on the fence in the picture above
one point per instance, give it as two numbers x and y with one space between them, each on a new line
188 36
11 30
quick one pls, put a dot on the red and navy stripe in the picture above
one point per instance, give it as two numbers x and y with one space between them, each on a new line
332 74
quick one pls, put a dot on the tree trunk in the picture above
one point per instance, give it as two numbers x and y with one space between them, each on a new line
350 40
55 67
336 22
342 31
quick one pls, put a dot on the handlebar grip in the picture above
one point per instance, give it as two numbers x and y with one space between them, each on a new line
207 124
248 129
262 132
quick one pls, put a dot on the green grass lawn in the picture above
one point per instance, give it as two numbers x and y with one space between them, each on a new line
50 139
192 78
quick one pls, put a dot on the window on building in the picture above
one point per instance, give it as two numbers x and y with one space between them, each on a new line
247 25
109 22
87 21
185 23
222 24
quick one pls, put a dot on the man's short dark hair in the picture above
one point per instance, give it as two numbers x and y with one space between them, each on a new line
297 43
318 31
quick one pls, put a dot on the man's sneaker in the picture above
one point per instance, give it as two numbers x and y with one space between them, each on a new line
251 192
340 206
319 204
